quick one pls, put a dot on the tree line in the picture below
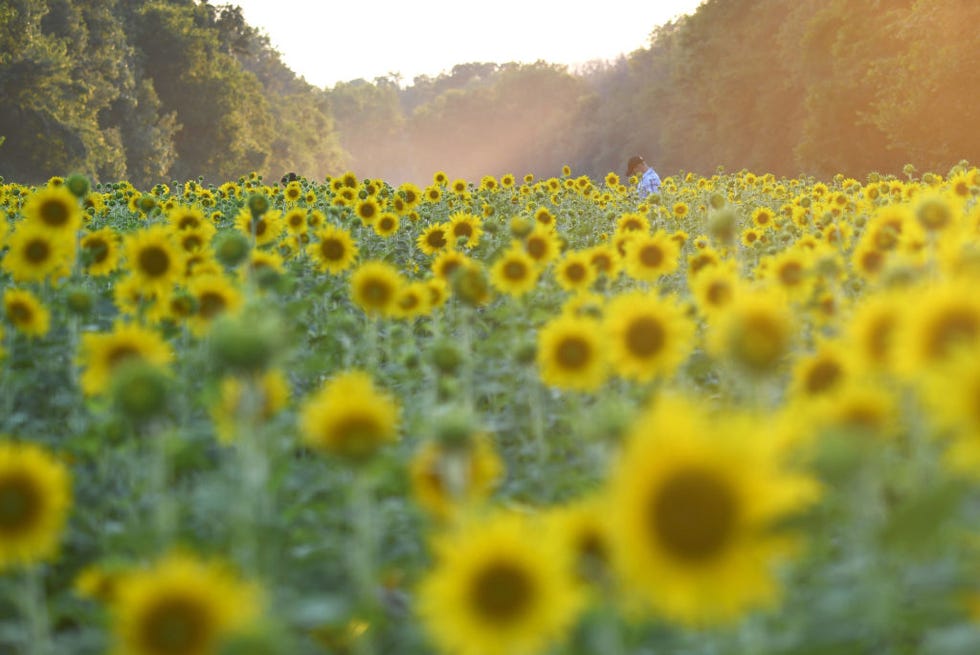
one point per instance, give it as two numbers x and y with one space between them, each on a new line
149 90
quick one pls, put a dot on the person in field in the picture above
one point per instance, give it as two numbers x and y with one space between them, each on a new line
648 180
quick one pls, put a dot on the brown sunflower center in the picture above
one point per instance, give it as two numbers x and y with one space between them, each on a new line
791 274
502 592
376 292
823 376
175 626
355 436
575 272
54 213
436 239
537 248
645 337
693 515
651 255
573 352
37 251
19 312
211 303
20 503
719 293
98 249
954 328
332 249
119 354
154 261
515 270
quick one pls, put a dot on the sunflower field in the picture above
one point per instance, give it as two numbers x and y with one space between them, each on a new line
507 416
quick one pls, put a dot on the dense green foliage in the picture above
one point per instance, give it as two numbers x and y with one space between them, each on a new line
152 90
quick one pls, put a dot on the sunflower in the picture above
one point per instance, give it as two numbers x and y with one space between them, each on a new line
465 229
791 272
938 323
822 372
574 271
268 396
100 251
334 251
439 178
386 225
214 296
25 312
755 333
459 186
101 352
132 298
411 194
544 217
375 286
604 260
153 259
514 272
763 218
872 328
448 479
649 336
35 254
693 504
264 229
438 291
412 301
541 245
367 210
181 606
582 527
432 194
649 257
633 222
183 217
571 353
349 417
35 497
448 262
434 239
54 210
497 587
195 240
295 221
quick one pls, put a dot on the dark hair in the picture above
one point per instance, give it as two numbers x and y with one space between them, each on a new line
634 161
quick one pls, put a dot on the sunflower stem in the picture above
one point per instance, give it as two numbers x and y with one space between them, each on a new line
361 551
36 609
252 474
165 515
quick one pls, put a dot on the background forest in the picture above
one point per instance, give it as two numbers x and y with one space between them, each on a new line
151 91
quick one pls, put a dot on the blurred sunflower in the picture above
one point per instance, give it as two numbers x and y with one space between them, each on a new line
386 225
583 528
448 262
25 312
434 239
694 501
755 333
35 498
514 272
54 210
101 352
214 296
334 250
498 587
465 229
648 257
649 336
100 251
264 229
572 353
604 260
448 479
268 395
35 254
938 322
295 220
367 210
574 272
349 417
153 259
412 301
183 217
181 606
541 245
374 287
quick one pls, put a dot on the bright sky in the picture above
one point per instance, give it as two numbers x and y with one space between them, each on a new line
329 42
